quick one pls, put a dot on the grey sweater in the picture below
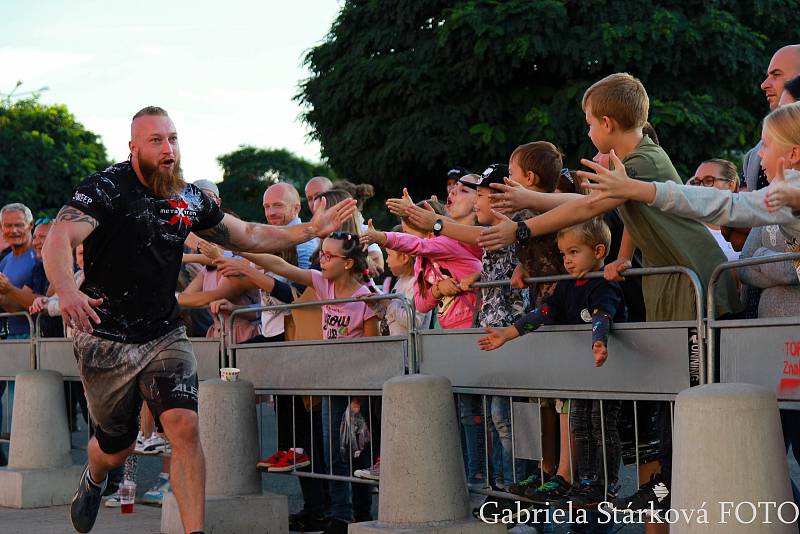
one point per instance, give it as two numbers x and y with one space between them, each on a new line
781 292
742 210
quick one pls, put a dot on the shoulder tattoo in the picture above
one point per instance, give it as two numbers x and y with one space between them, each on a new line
70 214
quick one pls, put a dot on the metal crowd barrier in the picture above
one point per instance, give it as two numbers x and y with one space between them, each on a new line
310 369
771 358
650 361
17 355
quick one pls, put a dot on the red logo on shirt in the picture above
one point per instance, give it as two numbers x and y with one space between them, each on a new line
179 212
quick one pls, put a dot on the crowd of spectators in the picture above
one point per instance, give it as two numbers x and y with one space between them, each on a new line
523 216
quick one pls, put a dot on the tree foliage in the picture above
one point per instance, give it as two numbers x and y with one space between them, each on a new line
44 153
400 91
248 171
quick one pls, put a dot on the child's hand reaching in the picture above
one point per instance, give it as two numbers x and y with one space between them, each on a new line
371 235
600 353
497 337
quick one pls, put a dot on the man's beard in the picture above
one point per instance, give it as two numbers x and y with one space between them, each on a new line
163 183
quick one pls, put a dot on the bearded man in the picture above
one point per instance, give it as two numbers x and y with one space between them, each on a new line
133 219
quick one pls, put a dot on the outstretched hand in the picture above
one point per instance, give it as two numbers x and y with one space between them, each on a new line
399 206
779 193
422 218
600 353
510 196
501 234
606 182
371 235
327 220
494 338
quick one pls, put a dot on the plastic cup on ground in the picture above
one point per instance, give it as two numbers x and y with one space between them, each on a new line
229 374
127 496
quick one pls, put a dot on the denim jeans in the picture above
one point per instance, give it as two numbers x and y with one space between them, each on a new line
348 501
470 410
586 423
506 468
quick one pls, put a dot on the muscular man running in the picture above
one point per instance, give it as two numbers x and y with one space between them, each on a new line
133 219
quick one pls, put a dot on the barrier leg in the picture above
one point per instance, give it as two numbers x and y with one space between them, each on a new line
229 434
728 448
423 488
40 471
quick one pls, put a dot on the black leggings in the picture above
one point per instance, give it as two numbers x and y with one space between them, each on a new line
584 416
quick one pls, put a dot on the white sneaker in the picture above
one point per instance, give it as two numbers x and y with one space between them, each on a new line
155 444
112 501
139 443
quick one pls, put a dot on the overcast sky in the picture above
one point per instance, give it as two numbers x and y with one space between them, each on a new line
226 75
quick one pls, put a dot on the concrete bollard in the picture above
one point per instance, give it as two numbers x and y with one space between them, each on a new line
229 434
39 471
728 448
422 487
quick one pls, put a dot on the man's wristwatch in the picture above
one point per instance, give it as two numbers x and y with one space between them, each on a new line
523 232
437 227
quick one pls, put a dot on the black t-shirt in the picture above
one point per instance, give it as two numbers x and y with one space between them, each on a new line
133 257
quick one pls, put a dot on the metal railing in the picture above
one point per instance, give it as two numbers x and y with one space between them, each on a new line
734 362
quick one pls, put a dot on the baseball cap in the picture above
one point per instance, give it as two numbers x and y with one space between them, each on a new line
493 174
455 173
207 184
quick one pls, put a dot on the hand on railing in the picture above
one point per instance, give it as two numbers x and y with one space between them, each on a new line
613 271
519 276
221 306
446 287
466 283
39 305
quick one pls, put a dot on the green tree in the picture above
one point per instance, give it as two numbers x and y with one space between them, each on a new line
44 153
248 171
401 91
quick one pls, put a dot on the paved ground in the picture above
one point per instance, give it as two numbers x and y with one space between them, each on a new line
147 519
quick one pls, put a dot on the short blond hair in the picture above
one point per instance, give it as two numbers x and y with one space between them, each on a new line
592 232
620 97
783 125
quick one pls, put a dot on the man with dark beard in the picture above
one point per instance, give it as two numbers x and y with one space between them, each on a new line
134 218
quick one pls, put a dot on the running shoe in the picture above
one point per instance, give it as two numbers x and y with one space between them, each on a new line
652 495
112 501
292 460
155 444
139 442
85 503
307 523
588 494
373 473
155 495
522 486
555 489
336 526
272 460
